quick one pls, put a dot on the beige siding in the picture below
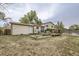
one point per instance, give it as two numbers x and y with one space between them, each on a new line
50 26
20 29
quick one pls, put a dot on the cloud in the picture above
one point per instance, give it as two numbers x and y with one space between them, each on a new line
44 11
68 13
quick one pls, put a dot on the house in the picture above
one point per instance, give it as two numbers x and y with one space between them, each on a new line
49 25
39 28
20 28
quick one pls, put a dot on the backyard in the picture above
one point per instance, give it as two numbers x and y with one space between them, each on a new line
34 46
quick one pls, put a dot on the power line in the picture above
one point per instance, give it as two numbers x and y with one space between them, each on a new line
3 7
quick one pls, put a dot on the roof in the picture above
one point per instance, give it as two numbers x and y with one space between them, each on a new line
17 23
49 22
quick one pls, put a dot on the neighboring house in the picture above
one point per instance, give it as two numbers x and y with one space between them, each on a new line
49 25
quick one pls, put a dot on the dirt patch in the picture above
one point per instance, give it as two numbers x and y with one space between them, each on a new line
25 45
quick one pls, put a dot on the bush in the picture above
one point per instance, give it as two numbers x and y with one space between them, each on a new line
1 32
7 32
50 30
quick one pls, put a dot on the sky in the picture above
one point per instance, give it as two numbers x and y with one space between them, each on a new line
68 13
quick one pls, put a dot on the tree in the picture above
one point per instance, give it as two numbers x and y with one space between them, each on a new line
31 18
3 7
60 26
25 20
39 21
6 20
74 27
2 15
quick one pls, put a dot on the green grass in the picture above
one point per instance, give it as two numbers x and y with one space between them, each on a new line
25 45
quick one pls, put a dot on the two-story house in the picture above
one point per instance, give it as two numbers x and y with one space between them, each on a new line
48 25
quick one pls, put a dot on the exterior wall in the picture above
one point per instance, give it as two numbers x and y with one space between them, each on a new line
20 29
40 29
53 27
49 25
36 30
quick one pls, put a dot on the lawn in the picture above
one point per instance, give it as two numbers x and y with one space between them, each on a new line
47 46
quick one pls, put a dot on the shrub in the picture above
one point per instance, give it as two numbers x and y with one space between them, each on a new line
50 30
1 32
7 31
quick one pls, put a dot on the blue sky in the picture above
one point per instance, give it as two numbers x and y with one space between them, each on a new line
68 13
